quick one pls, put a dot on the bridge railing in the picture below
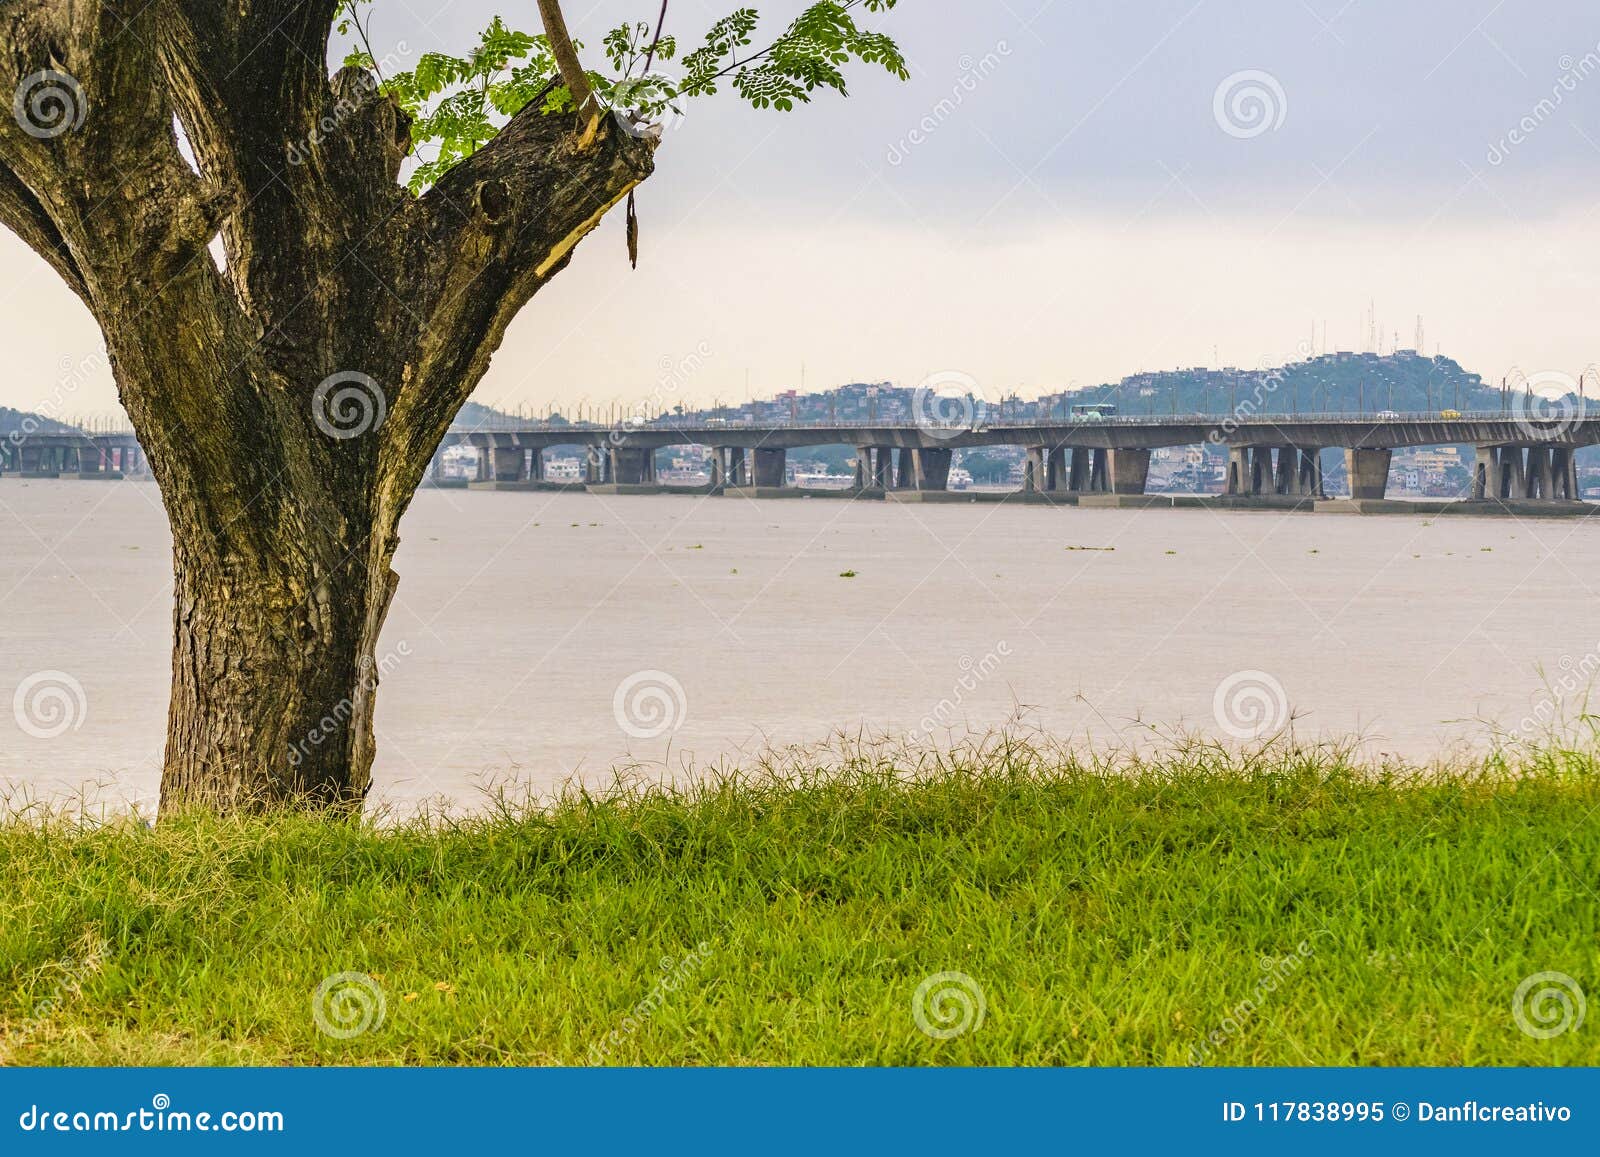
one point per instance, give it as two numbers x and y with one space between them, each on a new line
1227 419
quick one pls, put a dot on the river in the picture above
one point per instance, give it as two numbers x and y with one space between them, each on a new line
551 636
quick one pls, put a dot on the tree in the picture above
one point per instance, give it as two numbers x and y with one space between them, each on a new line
290 398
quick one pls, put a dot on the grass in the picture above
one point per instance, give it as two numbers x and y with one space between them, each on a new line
1284 906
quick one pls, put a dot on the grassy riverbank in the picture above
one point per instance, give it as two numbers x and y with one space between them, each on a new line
1286 909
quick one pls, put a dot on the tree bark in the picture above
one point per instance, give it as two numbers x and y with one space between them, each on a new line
289 403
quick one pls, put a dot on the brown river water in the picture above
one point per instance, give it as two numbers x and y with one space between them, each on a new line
553 636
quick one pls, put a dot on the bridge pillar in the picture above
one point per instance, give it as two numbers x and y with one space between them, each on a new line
931 467
1286 474
630 465
1540 478
1055 468
1311 473
769 467
536 464
883 465
1368 471
727 466
1034 469
505 464
1298 473
1080 465
1250 471
1100 471
1564 473
903 477
1238 479
1128 471
1486 473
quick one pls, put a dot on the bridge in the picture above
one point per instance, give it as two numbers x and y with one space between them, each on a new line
32 454
1520 457
1273 459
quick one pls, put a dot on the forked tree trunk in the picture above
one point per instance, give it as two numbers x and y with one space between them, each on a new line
289 403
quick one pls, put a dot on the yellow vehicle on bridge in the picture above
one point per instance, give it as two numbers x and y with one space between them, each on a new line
1449 413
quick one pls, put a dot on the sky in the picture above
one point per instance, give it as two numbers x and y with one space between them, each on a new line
1062 194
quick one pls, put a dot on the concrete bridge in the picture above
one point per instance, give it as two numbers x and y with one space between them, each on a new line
1272 459
1520 458
36 455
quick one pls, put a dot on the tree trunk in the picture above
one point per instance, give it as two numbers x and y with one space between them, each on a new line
238 378
274 679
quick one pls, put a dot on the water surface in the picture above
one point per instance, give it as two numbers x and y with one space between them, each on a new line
519 616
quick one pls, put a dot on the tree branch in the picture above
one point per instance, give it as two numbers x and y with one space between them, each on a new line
570 67
21 212
482 242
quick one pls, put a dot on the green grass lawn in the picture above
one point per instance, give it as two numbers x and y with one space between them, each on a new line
1284 909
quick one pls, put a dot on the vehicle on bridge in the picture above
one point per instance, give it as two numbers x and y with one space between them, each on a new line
1450 414
1093 411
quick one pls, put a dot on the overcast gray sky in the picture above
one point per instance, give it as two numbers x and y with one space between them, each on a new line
1062 194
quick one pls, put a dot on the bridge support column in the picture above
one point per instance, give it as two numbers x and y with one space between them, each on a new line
1128 471
1238 480
1286 472
1368 471
1055 469
630 465
1080 466
536 464
1298 473
727 466
1564 473
903 479
505 464
1311 473
931 468
769 467
1486 480
1034 468
1540 478
1100 471
883 465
